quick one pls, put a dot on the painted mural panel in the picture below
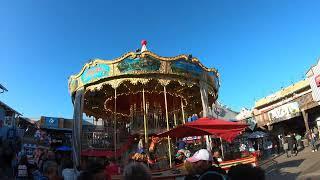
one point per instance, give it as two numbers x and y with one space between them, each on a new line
185 67
139 64
95 73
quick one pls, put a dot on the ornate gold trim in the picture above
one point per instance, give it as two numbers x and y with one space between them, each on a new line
143 54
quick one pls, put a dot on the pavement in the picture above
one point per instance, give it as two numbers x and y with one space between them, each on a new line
304 166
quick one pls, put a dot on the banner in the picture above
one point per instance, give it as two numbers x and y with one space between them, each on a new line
284 112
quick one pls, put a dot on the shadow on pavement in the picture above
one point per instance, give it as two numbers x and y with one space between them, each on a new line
276 170
313 170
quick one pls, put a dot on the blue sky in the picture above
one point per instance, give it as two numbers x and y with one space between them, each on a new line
257 46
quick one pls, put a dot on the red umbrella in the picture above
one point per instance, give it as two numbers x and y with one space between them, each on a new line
207 126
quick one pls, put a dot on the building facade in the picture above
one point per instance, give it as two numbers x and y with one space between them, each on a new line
8 120
289 110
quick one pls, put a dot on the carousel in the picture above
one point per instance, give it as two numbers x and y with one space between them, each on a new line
134 97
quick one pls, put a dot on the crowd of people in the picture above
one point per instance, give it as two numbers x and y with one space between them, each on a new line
45 164
201 166
49 165
292 142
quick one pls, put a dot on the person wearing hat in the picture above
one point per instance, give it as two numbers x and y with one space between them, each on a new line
200 166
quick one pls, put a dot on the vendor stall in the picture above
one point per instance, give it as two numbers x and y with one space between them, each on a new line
228 131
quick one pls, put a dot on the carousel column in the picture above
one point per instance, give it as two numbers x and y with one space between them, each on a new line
167 120
182 111
144 118
76 127
204 100
115 123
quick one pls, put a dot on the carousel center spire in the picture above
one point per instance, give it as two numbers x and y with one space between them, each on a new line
144 45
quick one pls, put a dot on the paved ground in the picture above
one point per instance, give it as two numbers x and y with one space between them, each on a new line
306 165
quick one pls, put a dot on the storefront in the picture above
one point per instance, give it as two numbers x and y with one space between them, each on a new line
313 76
55 132
286 111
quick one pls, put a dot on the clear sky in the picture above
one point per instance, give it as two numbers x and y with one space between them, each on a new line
257 46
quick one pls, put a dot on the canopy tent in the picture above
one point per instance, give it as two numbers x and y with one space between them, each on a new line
207 126
257 134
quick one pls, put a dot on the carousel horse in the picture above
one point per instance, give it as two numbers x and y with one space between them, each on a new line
140 157
150 157
140 154
154 142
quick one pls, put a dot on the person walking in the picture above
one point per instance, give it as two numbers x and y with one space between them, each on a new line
313 141
298 138
295 144
286 145
291 143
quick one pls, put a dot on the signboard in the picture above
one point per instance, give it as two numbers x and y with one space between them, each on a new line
284 112
51 122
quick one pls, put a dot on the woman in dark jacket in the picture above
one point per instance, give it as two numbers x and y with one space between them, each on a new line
291 142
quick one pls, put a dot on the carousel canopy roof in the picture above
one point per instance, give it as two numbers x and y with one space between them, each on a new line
145 65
